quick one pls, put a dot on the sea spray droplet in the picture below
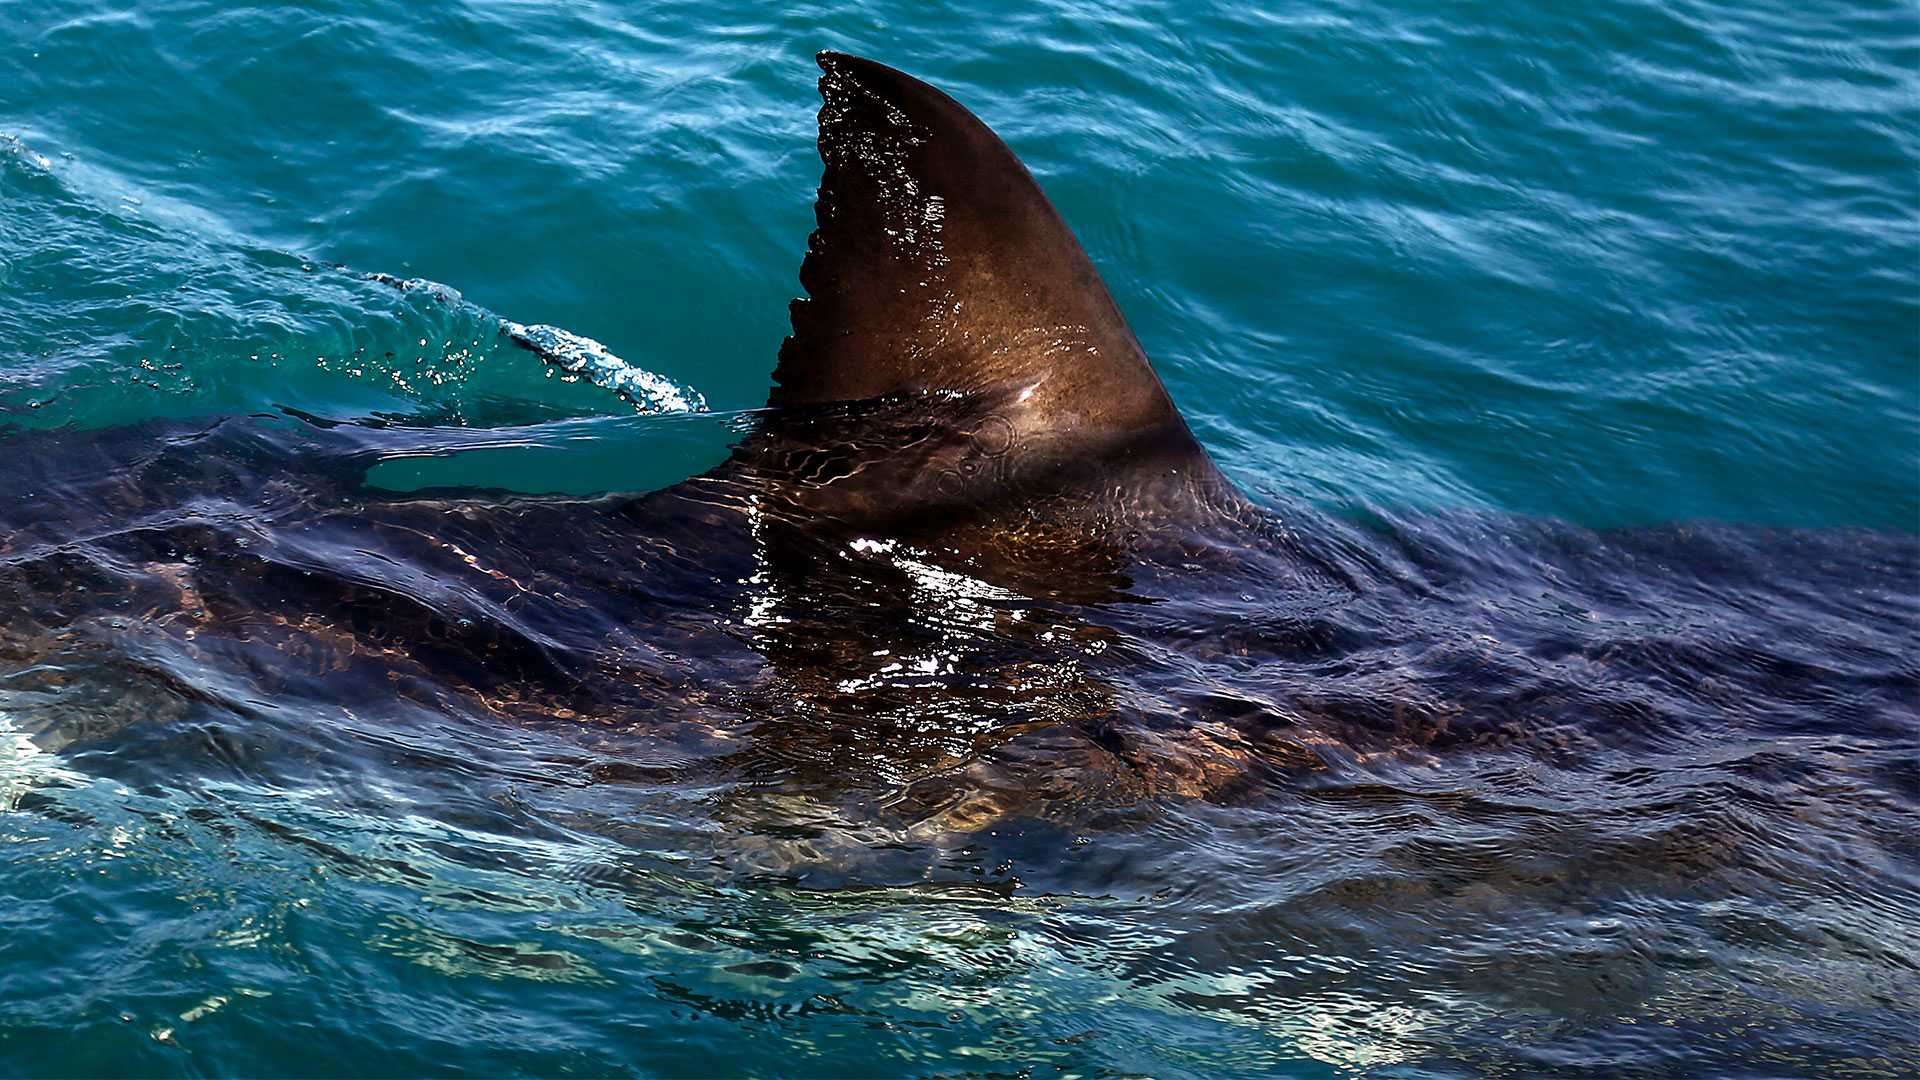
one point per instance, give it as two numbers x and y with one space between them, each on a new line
587 357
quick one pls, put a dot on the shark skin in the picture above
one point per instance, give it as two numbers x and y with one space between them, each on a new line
963 440
970 566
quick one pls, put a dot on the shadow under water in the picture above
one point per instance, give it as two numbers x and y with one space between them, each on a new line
1453 792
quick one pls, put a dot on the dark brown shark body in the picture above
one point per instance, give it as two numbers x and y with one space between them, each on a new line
963 434
970 566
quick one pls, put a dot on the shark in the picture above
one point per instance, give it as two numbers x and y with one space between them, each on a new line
970 566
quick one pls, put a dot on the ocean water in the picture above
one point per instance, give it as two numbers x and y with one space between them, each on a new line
1625 291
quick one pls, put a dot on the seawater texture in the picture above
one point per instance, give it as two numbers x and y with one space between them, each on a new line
1571 348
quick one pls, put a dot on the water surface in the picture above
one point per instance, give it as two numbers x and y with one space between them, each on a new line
1561 717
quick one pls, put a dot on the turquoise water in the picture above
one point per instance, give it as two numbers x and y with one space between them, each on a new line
1636 264
1619 264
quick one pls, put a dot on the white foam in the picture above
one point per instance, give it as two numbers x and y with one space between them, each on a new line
12 147
24 766
590 359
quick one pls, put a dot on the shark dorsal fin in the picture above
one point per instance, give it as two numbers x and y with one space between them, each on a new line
939 266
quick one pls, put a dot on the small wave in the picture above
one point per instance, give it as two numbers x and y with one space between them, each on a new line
575 354
446 294
588 358
12 147
24 766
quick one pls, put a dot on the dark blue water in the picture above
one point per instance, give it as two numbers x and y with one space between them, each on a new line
1559 714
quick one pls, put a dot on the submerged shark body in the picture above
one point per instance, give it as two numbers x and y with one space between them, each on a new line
971 567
